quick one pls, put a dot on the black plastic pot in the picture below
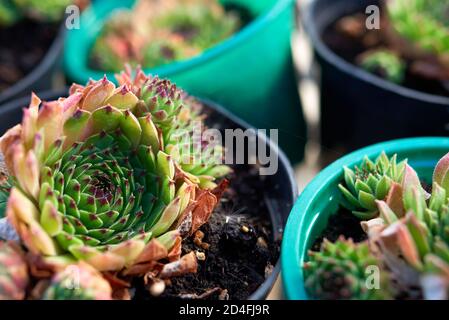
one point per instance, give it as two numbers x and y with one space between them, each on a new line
359 108
41 77
279 197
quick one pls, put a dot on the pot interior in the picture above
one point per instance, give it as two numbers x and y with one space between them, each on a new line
279 191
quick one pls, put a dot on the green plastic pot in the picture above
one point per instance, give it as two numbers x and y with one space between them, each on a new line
250 73
321 198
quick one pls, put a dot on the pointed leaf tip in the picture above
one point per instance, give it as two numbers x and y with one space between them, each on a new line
441 173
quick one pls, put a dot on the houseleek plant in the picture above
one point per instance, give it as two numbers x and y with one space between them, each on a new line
407 232
155 32
417 32
106 178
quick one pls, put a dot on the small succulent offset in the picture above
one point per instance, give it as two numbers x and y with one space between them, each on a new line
5 189
369 182
12 11
429 41
340 270
410 234
384 62
78 282
97 177
420 235
156 32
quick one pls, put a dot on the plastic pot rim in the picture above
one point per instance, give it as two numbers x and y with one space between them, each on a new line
306 14
256 25
293 244
264 289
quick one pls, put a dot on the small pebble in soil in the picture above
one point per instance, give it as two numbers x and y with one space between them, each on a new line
200 255
157 288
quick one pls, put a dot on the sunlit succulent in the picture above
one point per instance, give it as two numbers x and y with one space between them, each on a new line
409 234
341 270
179 119
385 63
78 282
154 33
420 237
424 23
92 177
437 212
13 272
369 182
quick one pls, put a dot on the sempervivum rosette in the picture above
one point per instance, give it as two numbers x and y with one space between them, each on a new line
339 271
93 179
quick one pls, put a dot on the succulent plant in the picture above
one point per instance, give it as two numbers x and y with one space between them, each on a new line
12 11
178 117
432 16
78 282
43 10
92 179
154 33
408 236
9 14
369 182
384 62
340 270
421 235
13 272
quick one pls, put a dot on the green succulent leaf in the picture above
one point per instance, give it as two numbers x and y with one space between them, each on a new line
369 182
386 63
441 173
431 16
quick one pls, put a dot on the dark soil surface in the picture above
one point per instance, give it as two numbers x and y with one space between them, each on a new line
241 251
342 223
349 38
22 47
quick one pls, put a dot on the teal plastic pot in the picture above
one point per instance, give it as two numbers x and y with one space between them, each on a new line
250 73
321 198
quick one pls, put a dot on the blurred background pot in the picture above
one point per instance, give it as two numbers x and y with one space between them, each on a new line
250 73
321 199
279 196
42 76
357 107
